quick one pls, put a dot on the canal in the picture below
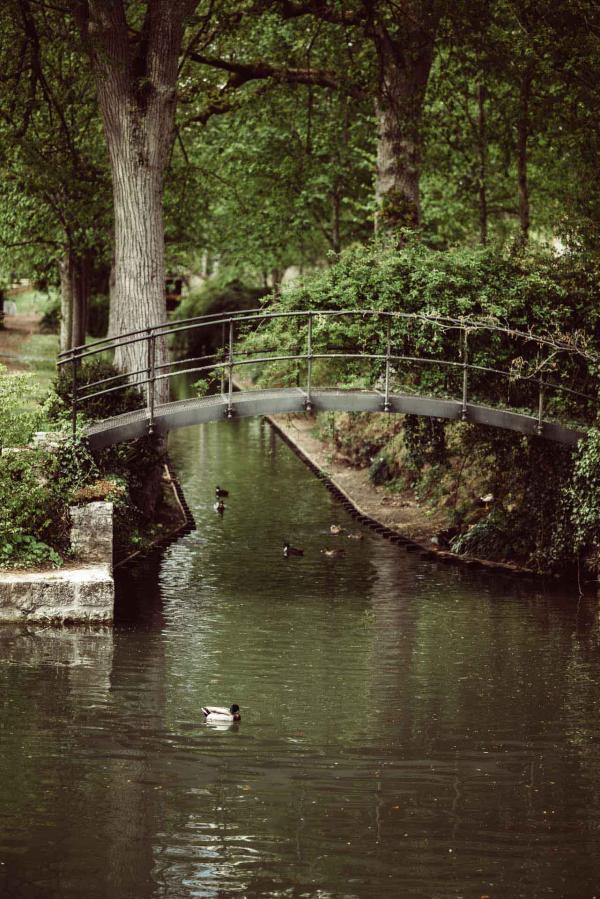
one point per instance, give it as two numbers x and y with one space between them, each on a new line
407 729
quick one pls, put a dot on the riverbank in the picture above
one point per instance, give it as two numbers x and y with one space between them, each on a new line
400 513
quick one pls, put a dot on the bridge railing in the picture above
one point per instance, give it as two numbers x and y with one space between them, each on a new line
463 359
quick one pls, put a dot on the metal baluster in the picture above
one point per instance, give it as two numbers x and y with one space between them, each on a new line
151 358
465 352
387 406
308 402
74 361
229 411
223 359
540 424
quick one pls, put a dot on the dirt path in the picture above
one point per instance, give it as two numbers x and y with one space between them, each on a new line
17 330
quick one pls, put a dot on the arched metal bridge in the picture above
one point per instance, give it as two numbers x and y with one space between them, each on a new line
270 362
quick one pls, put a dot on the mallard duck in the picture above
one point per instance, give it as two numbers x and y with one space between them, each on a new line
221 492
217 713
336 529
289 550
333 552
355 536
219 506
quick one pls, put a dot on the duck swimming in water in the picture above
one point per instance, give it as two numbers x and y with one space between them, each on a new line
219 506
289 550
215 714
335 529
333 552
220 492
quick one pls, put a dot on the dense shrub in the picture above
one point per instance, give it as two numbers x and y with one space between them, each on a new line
561 295
125 400
50 320
36 488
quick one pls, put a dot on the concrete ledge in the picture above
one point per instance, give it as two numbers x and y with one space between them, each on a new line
66 595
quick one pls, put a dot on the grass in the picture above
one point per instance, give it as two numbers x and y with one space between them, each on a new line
32 302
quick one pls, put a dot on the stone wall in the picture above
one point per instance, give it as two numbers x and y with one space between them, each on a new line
92 533
64 595
83 592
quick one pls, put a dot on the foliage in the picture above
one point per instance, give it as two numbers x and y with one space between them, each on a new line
35 491
123 400
582 496
559 294
50 321
20 413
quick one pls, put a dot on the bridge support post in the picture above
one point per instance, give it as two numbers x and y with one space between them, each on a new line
540 423
229 410
465 384
74 362
151 355
307 403
387 406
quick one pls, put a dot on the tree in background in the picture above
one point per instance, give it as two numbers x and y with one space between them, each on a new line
54 209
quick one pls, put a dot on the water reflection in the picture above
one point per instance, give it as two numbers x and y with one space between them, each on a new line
408 729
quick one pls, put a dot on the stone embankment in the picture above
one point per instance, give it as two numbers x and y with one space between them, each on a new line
82 592
399 518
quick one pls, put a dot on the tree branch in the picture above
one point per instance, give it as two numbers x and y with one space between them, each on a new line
259 71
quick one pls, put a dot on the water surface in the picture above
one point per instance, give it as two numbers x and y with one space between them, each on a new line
407 729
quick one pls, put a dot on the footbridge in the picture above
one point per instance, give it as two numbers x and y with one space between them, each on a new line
266 361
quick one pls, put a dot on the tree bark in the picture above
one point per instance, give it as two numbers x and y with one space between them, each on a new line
522 153
66 303
136 78
74 299
405 59
482 174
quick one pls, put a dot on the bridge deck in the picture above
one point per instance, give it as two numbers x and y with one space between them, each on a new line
183 413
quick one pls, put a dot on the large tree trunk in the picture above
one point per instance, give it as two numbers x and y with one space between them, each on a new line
405 54
136 76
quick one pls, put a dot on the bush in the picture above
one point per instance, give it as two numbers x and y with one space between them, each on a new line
125 400
50 321
36 488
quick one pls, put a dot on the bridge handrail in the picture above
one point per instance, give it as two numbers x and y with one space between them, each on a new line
226 360
164 329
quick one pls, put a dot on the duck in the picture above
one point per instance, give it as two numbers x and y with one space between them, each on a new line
220 492
219 506
221 714
289 550
355 536
336 529
333 552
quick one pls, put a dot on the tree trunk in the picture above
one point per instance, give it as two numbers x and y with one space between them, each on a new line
482 153
74 299
66 303
136 77
404 65
522 155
